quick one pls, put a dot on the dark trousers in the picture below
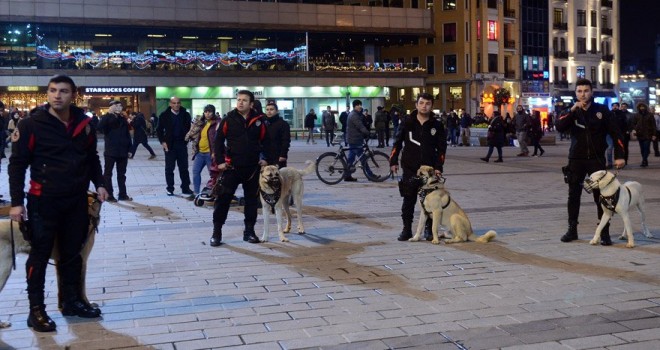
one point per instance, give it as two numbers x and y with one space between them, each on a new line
249 179
122 163
655 143
144 143
51 218
645 148
177 155
381 137
537 145
579 169
490 151
626 143
387 136
329 137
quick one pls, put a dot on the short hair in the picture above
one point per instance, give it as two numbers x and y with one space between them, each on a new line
583 82
257 107
357 103
209 108
426 96
246 92
61 78
616 103
271 103
624 103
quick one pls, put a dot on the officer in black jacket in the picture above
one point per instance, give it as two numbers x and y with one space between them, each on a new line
279 136
588 123
425 140
173 125
58 145
238 146
114 127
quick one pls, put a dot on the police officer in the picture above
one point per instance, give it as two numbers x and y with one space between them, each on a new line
422 139
59 146
238 144
588 123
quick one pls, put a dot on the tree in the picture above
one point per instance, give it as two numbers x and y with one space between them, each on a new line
501 96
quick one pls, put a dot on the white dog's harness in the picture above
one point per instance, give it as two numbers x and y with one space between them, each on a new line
610 202
272 198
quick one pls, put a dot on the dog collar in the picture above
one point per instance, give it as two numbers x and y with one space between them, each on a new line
423 192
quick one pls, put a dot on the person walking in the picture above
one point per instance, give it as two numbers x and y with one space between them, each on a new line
202 135
329 125
496 137
521 122
356 134
536 133
644 128
173 125
238 146
114 127
588 123
310 120
465 124
279 137
396 120
380 124
140 132
422 140
626 133
343 119
57 136
453 128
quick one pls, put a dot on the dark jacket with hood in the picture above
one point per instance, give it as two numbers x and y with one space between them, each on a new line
279 136
244 138
62 159
588 130
115 134
426 144
644 122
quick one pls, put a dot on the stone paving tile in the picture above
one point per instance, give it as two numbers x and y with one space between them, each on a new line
208 343
539 346
640 335
605 341
645 345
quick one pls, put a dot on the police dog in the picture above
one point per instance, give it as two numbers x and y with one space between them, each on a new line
615 197
23 246
276 187
437 202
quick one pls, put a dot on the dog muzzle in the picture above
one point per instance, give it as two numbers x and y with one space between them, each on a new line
590 185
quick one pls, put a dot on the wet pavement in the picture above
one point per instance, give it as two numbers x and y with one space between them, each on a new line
349 284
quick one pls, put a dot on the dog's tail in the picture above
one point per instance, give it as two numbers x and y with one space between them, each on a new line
310 168
486 237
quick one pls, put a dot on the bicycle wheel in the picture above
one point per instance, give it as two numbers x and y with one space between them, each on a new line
378 167
330 168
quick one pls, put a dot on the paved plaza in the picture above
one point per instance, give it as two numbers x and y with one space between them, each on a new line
348 283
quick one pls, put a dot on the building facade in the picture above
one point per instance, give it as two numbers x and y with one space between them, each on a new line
585 44
142 52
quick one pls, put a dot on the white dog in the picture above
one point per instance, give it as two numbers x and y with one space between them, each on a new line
444 211
615 197
23 246
276 187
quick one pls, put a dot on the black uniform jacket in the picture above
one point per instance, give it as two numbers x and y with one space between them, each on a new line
239 141
425 144
62 159
588 130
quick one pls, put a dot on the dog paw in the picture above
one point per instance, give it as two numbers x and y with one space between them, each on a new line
284 239
414 239
648 235
301 232
5 324
630 245
593 242
287 230
623 237
264 239
435 241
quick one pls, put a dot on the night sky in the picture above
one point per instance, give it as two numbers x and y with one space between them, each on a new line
639 26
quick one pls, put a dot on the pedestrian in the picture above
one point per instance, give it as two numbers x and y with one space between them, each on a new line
356 134
644 129
622 124
343 119
588 123
657 134
57 136
496 137
279 137
310 120
396 119
140 133
536 133
387 128
522 123
453 128
629 127
202 135
3 117
367 119
465 123
238 145
329 125
380 124
173 125
114 127
422 140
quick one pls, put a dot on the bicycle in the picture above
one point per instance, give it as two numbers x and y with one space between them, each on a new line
331 167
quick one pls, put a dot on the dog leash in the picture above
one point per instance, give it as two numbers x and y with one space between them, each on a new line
13 245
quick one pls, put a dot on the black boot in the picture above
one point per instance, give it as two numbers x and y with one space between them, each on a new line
216 238
39 319
74 305
571 234
249 235
428 230
406 233
605 236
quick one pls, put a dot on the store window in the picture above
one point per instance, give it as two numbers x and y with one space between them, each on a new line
430 64
492 30
450 64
